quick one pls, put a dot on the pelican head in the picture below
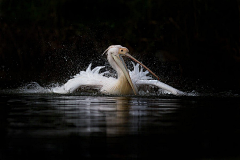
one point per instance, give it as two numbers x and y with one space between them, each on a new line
114 56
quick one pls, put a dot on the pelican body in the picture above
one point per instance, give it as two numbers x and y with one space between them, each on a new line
126 82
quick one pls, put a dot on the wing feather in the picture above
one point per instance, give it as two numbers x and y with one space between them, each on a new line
161 85
89 78
140 78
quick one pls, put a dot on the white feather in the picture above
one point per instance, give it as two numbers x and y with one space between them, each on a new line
89 77
94 79
139 77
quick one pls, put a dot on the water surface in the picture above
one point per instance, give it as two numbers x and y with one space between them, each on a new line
51 126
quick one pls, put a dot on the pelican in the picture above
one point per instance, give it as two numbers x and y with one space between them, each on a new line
126 83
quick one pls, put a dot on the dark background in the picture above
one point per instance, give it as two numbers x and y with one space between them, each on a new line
190 44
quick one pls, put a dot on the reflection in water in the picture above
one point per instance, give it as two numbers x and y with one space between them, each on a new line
118 123
111 127
84 115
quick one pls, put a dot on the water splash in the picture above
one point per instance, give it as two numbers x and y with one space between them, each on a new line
33 87
136 73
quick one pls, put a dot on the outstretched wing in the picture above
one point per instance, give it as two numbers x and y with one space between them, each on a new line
160 85
90 78
140 78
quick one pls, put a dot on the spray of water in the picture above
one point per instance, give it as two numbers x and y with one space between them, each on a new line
136 73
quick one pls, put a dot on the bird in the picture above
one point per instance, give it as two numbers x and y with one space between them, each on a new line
126 83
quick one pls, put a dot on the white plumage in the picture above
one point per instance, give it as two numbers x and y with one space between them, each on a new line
127 81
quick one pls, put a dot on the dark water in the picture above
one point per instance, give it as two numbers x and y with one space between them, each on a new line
50 126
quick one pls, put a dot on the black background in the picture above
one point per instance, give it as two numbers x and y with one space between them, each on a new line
190 44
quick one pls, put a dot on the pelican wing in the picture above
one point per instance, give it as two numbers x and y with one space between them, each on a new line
160 85
90 78
140 78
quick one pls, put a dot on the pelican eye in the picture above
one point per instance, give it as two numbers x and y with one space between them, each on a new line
121 50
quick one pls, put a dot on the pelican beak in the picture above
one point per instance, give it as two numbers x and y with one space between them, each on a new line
125 52
120 62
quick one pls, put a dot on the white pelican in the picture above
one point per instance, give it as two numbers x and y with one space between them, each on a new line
126 82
